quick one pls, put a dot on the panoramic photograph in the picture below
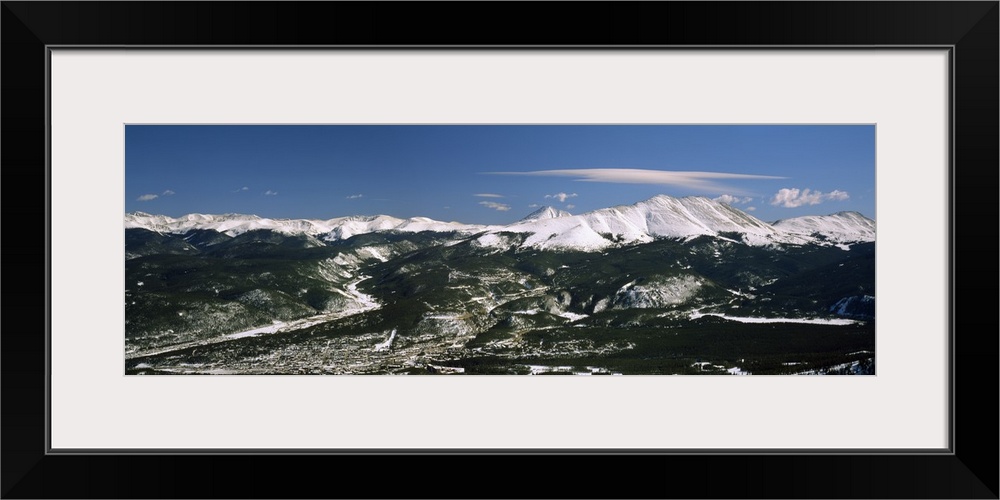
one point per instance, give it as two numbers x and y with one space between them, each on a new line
499 250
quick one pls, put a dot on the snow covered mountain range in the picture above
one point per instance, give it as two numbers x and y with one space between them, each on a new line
549 228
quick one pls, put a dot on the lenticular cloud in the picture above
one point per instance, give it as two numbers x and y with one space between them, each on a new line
705 181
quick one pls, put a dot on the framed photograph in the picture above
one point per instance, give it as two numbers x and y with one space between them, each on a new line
306 219
447 257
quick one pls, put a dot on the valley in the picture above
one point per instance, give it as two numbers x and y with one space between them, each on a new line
666 286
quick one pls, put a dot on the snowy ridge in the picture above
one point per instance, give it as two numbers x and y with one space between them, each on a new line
329 230
549 228
841 227
658 217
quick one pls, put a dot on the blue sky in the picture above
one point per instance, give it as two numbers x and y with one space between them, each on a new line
493 174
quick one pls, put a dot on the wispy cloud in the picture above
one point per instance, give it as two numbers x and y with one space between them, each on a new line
488 195
571 206
270 193
561 196
244 188
355 196
700 181
147 197
168 193
793 197
501 207
534 205
751 209
729 199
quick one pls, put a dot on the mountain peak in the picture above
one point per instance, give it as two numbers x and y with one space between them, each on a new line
660 198
851 213
665 199
546 213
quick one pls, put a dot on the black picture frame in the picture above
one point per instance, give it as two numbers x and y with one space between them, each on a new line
970 29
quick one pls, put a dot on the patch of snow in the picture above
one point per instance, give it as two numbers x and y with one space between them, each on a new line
374 252
539 369
600 305
441 316
493 240
385 346
364 302
447 369
853 366
811 321
572 316
528 312
272 328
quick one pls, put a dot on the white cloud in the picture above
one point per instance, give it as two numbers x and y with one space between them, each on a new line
751 209
355 196
534 205
270 193
838 195
561 196
570 206
729 199
168 193
488 195
244 188
147 197
794 197
700 181
502 207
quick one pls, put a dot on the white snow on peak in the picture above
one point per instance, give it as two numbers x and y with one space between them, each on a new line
841 227
546 213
